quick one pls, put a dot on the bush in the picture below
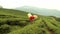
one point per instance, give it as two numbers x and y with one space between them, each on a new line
4 29
23 23
16 22
2 22
12 22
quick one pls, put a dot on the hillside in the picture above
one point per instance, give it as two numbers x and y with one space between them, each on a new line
10 20
40 11
16 22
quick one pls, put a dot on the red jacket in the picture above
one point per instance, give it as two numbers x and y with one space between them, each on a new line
31 17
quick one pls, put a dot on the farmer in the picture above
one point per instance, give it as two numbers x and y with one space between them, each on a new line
31 17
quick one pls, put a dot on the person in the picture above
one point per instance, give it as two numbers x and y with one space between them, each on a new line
31 17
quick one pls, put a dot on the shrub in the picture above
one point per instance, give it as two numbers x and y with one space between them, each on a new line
16 22
2 22
12 22
4 29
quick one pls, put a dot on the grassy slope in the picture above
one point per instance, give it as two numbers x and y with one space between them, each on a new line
43 25
12 12
13 15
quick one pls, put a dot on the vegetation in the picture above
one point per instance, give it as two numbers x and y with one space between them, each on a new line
16 22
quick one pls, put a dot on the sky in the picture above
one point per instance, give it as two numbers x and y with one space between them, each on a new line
49 4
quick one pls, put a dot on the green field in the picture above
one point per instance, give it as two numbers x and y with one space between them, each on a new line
16 22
